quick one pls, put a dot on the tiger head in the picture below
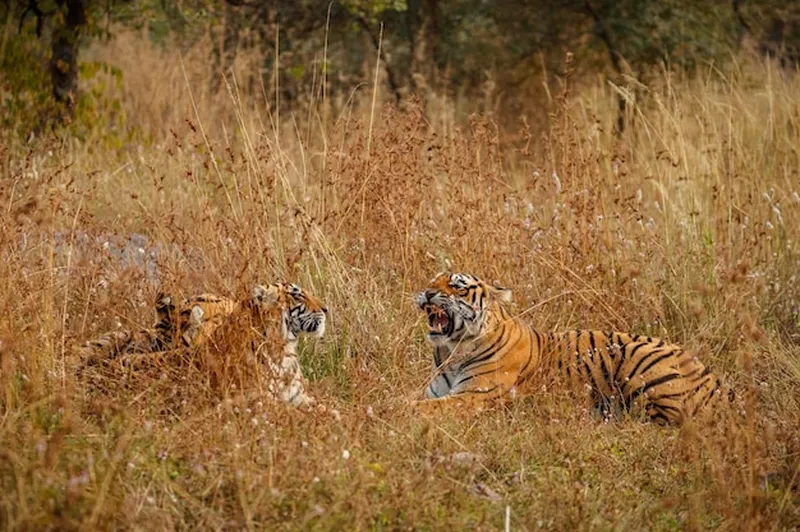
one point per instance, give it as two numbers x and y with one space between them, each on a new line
456 305
301 313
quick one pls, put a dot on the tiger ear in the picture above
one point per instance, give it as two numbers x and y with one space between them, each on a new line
504 295
264 295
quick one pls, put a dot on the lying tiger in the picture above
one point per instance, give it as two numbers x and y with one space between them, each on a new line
263 327
126 342
482 352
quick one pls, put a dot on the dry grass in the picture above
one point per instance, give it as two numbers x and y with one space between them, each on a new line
687 229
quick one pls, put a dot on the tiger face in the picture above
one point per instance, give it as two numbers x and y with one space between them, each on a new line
456 305
301 313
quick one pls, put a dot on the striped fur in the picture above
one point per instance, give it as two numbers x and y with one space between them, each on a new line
255 338
114 344
289 306
482 352
264 327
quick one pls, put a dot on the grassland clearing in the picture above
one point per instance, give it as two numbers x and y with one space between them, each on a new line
686 228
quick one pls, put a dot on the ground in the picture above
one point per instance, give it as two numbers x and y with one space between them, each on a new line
685 228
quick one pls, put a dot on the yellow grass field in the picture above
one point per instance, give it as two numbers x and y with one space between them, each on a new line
685 228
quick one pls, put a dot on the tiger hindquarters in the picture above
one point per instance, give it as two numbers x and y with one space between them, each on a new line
642 376
115 344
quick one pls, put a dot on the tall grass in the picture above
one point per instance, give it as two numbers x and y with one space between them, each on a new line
686 228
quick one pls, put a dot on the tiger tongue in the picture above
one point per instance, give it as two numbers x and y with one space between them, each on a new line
439 322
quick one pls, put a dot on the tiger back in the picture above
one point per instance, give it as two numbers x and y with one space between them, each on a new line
198 317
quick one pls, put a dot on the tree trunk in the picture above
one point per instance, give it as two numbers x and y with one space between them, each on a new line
387 67
225 54
64 64
602 32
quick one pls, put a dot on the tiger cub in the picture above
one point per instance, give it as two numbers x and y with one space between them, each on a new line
481 352
236 336
241 338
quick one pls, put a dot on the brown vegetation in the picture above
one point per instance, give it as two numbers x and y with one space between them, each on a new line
684 228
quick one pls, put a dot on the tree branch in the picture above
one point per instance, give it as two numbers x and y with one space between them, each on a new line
64 63
33 7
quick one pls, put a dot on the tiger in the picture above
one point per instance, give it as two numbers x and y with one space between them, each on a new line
481 352
123 342
264 328
265 325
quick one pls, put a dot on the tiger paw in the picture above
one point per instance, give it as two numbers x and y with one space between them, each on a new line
427 406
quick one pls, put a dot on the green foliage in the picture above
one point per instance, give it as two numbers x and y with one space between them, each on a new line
676 32
481 51
372 10
97 108
27 104
163 19
24 92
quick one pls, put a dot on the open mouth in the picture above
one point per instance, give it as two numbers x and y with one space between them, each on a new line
438 321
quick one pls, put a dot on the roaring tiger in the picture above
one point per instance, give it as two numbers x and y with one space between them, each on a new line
482 352
263 327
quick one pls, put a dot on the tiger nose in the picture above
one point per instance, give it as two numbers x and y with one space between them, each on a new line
325 310
424 297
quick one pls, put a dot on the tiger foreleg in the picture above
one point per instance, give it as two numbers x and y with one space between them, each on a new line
463 402
476 392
